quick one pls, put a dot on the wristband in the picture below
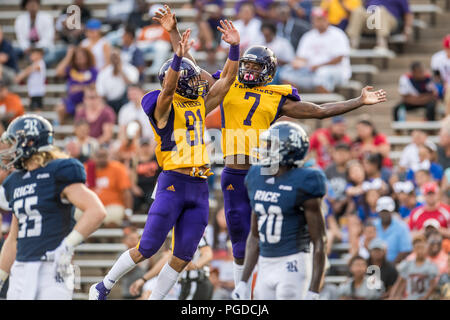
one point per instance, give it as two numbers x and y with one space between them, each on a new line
145 280
176 62
74 238
233 54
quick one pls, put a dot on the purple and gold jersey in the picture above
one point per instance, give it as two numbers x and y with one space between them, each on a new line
180 143
247 112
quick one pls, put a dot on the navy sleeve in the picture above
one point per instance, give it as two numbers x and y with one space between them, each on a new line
148 102
313 185
70 171
216 75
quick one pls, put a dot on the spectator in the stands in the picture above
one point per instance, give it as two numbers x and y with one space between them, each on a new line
248 25
35 75
130 53
373 167
444 144
435 252
388 272
366 208
66 25
432 209
8 57
81 146
369 140
440 64
113 80
418 92
418 276
147 171
410 154
132 111
290 27
113 187
118 12
427 157
406 196
394 16
339 11
322 61
34 28
101 117
323 140
301 9
10 105
98 45
261 7
154 39
209 14
78 68
137 17
281 47
444 282
393 231
368 234
336 174
359 286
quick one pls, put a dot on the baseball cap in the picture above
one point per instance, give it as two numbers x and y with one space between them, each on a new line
377 243
432 223
93 24
430 187
319 12
403 186
385 204
338 119
446 42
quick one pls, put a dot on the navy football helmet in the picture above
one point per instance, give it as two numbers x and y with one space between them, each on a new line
284 143
262 56
190 84
26 135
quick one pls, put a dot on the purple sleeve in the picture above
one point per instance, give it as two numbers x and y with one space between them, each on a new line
294 95
148 102
405 6
216 75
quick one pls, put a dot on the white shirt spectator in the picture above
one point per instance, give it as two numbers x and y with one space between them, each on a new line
130 112
282 48
441 62
36 81
44 26
111 86
318 48
405 87
97 51
410 156
250 34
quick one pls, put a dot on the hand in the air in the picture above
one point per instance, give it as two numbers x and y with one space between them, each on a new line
166 19
372 97
229 32
184 44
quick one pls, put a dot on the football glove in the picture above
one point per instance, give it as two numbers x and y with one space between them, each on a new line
241 292
310 295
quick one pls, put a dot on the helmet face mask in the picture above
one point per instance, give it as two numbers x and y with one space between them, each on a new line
262 56
190 85
25 136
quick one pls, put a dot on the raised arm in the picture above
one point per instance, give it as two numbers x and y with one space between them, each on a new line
317 232
165 98
168 21
308 110
251 259
229 73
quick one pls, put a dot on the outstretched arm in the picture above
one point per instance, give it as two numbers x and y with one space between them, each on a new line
168 21
317 232
221 87
165 98
308 110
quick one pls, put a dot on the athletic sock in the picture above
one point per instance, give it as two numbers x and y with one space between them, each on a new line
122 266
238 270
166 280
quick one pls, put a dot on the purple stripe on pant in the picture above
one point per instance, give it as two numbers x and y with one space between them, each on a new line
237 208
180 201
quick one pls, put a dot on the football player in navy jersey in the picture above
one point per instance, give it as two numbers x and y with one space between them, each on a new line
286 218
43 192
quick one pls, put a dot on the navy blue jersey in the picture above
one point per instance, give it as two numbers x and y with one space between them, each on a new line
35 198
277 202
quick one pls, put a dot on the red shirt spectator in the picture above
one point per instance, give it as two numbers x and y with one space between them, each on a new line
432 212
322 140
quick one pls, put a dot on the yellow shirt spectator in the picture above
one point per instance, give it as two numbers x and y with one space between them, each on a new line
336 11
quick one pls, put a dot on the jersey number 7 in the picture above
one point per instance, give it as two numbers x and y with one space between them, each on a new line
257 96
